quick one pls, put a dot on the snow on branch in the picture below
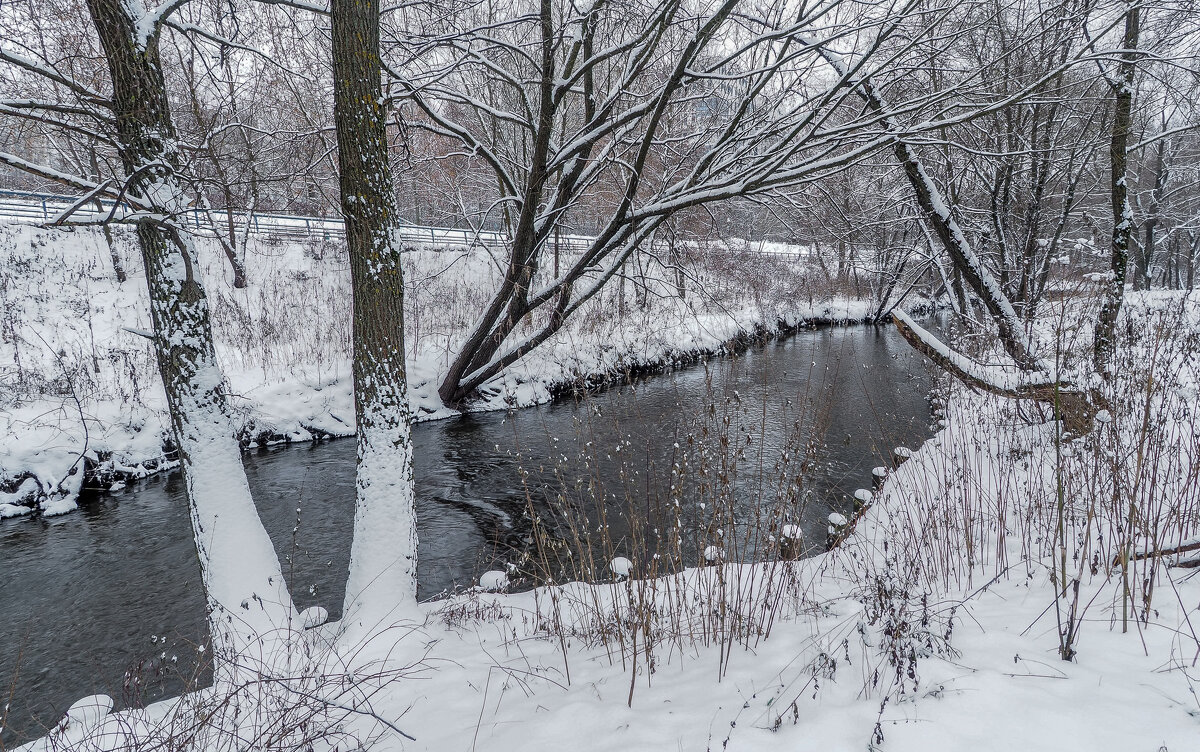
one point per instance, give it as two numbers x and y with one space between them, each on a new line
49 173
150 22
47 71
1005 381
42 118
319 8
929 197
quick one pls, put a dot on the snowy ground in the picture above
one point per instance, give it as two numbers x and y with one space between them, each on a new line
937 625
78 384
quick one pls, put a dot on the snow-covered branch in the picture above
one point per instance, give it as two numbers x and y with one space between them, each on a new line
1006 381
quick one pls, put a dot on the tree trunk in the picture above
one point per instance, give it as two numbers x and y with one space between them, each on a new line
676 260
247 595
1173 278
239 270
985 286
937 212
1104 343
1075 407
1145 258
1193 252
381 587
113 253
511 303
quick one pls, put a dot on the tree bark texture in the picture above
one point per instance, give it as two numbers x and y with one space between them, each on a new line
247 595
1104 343
383 556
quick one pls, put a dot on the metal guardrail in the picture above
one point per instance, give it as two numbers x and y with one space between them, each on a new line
43 208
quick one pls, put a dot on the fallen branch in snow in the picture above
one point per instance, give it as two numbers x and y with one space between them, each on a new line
1158 553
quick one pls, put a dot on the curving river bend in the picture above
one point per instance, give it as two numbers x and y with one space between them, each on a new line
108 600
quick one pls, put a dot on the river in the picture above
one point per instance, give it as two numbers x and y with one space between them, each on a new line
108 600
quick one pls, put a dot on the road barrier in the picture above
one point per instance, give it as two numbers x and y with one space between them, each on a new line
46 208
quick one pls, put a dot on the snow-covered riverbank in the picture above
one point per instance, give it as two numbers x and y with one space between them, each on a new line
81 388
938 625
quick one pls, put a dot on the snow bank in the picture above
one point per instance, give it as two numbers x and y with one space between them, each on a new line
937 626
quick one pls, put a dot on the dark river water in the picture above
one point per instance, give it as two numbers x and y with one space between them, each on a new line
107 599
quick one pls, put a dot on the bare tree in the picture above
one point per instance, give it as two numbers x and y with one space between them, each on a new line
1010 299
622 115
244 584
246 591
383 556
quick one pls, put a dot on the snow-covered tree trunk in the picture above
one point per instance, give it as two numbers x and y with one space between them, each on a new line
247 595
1032 378
977 275
552 88
1104 343
937 212
945 225
381 588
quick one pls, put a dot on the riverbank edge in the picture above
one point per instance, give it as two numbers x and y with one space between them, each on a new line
103 474
981 681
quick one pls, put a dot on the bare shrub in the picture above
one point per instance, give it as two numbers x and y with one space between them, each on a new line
299 692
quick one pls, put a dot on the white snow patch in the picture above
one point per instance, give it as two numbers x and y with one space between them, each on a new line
493 581
313 616
620 566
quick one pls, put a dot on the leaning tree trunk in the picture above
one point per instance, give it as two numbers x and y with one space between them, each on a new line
247 595
1034 379
985 286
511 302
383 557
937 212
1104 344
